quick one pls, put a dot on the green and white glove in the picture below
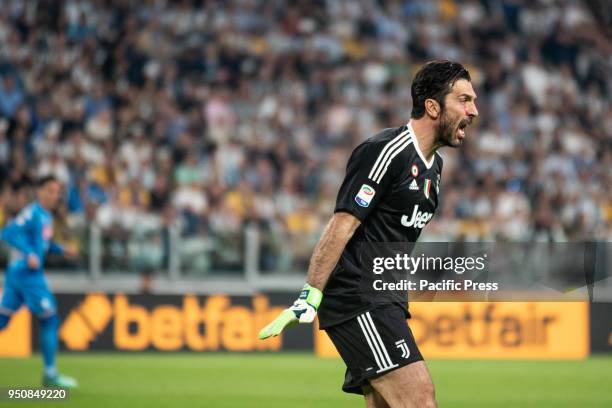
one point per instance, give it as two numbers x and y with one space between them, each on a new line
304 310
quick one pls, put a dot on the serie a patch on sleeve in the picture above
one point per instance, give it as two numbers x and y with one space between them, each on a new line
365 195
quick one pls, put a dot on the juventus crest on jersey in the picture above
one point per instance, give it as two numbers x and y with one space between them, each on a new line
393 190
390 186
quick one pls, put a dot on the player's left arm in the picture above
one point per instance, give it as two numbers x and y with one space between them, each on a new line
15 232
56 248
68 251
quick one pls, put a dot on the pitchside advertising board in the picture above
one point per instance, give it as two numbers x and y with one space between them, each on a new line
495 330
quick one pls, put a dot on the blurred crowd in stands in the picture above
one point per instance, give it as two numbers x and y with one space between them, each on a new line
212 115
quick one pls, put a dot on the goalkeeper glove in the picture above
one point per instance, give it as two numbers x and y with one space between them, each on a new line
304 310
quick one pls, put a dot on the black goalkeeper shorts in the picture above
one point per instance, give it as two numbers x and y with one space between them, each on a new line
372 344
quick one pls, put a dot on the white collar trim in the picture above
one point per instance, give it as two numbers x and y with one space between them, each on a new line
418 149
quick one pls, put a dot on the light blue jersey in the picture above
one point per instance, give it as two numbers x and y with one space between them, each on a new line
29 233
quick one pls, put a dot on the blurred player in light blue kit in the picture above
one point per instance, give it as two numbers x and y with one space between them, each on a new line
29 236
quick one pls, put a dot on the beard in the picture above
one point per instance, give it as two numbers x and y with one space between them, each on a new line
446 131
451 132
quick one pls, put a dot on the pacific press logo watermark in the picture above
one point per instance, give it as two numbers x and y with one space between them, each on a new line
492 271
389 273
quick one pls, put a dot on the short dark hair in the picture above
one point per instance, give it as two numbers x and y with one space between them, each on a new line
46 179
434 81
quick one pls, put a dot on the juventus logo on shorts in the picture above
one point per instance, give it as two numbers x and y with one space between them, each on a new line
383 361
401 344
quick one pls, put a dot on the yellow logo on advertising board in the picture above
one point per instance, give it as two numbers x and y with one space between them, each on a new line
16 338
86 321
168 327
495 330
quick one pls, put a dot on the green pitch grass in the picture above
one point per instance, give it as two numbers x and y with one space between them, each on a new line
301 380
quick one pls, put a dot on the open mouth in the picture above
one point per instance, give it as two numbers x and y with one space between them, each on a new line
461 129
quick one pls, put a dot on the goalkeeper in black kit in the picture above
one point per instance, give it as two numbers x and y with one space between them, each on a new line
389 194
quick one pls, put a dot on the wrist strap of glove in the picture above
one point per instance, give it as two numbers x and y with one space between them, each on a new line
311 295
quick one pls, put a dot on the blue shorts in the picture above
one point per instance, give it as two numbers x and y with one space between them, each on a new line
34 293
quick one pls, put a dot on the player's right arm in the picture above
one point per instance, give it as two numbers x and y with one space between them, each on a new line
361 190
15 233
336 235
368 176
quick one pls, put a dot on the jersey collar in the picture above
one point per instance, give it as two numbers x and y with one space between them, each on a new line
418 149
40 208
